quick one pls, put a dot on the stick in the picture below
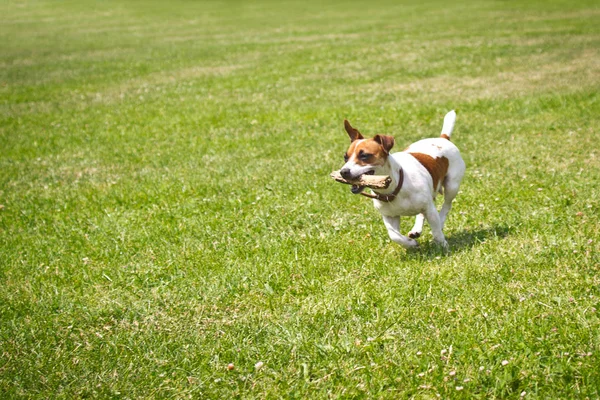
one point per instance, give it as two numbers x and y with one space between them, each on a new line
371 181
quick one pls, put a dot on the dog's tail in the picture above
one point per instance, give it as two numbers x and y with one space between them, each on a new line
449 120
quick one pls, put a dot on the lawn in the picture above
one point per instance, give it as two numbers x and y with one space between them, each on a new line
168 227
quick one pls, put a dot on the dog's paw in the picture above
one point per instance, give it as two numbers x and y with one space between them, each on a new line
411 244
443 244
414 234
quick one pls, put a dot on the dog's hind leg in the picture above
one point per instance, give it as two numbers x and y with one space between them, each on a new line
417 228
433 217
393 227
450 192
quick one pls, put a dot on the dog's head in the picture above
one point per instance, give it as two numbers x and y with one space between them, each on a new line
365 156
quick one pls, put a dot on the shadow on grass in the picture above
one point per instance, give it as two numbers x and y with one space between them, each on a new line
467 239
462 241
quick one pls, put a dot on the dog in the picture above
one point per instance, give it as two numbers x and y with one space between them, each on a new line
419 173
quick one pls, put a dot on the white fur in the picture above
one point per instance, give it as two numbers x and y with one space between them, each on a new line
356 169
449 121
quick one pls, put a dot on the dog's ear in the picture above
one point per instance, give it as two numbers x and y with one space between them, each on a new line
353 133
387 142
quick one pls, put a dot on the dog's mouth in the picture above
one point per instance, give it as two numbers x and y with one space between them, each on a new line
356 189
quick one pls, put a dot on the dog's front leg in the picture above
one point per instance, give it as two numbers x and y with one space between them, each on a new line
393 227
433 217
417 228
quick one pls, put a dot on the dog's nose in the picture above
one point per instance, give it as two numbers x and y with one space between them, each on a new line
345 172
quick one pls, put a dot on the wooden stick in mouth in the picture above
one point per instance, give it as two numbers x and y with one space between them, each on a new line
370 181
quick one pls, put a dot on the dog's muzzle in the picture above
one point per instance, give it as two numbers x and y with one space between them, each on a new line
347 175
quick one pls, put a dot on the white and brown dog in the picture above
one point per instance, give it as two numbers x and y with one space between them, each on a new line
419 173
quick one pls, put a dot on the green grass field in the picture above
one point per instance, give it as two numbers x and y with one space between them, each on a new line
166 209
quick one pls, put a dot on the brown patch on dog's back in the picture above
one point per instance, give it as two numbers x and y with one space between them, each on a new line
444 136
437 167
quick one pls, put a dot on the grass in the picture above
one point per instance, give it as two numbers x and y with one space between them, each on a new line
166 208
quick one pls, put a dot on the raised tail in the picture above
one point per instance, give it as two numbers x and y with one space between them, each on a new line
449 120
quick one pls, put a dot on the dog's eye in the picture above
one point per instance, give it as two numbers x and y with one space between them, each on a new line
363 156
346 157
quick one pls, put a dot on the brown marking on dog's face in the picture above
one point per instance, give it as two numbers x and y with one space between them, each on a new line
370 151
367 151
352 132
437 167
